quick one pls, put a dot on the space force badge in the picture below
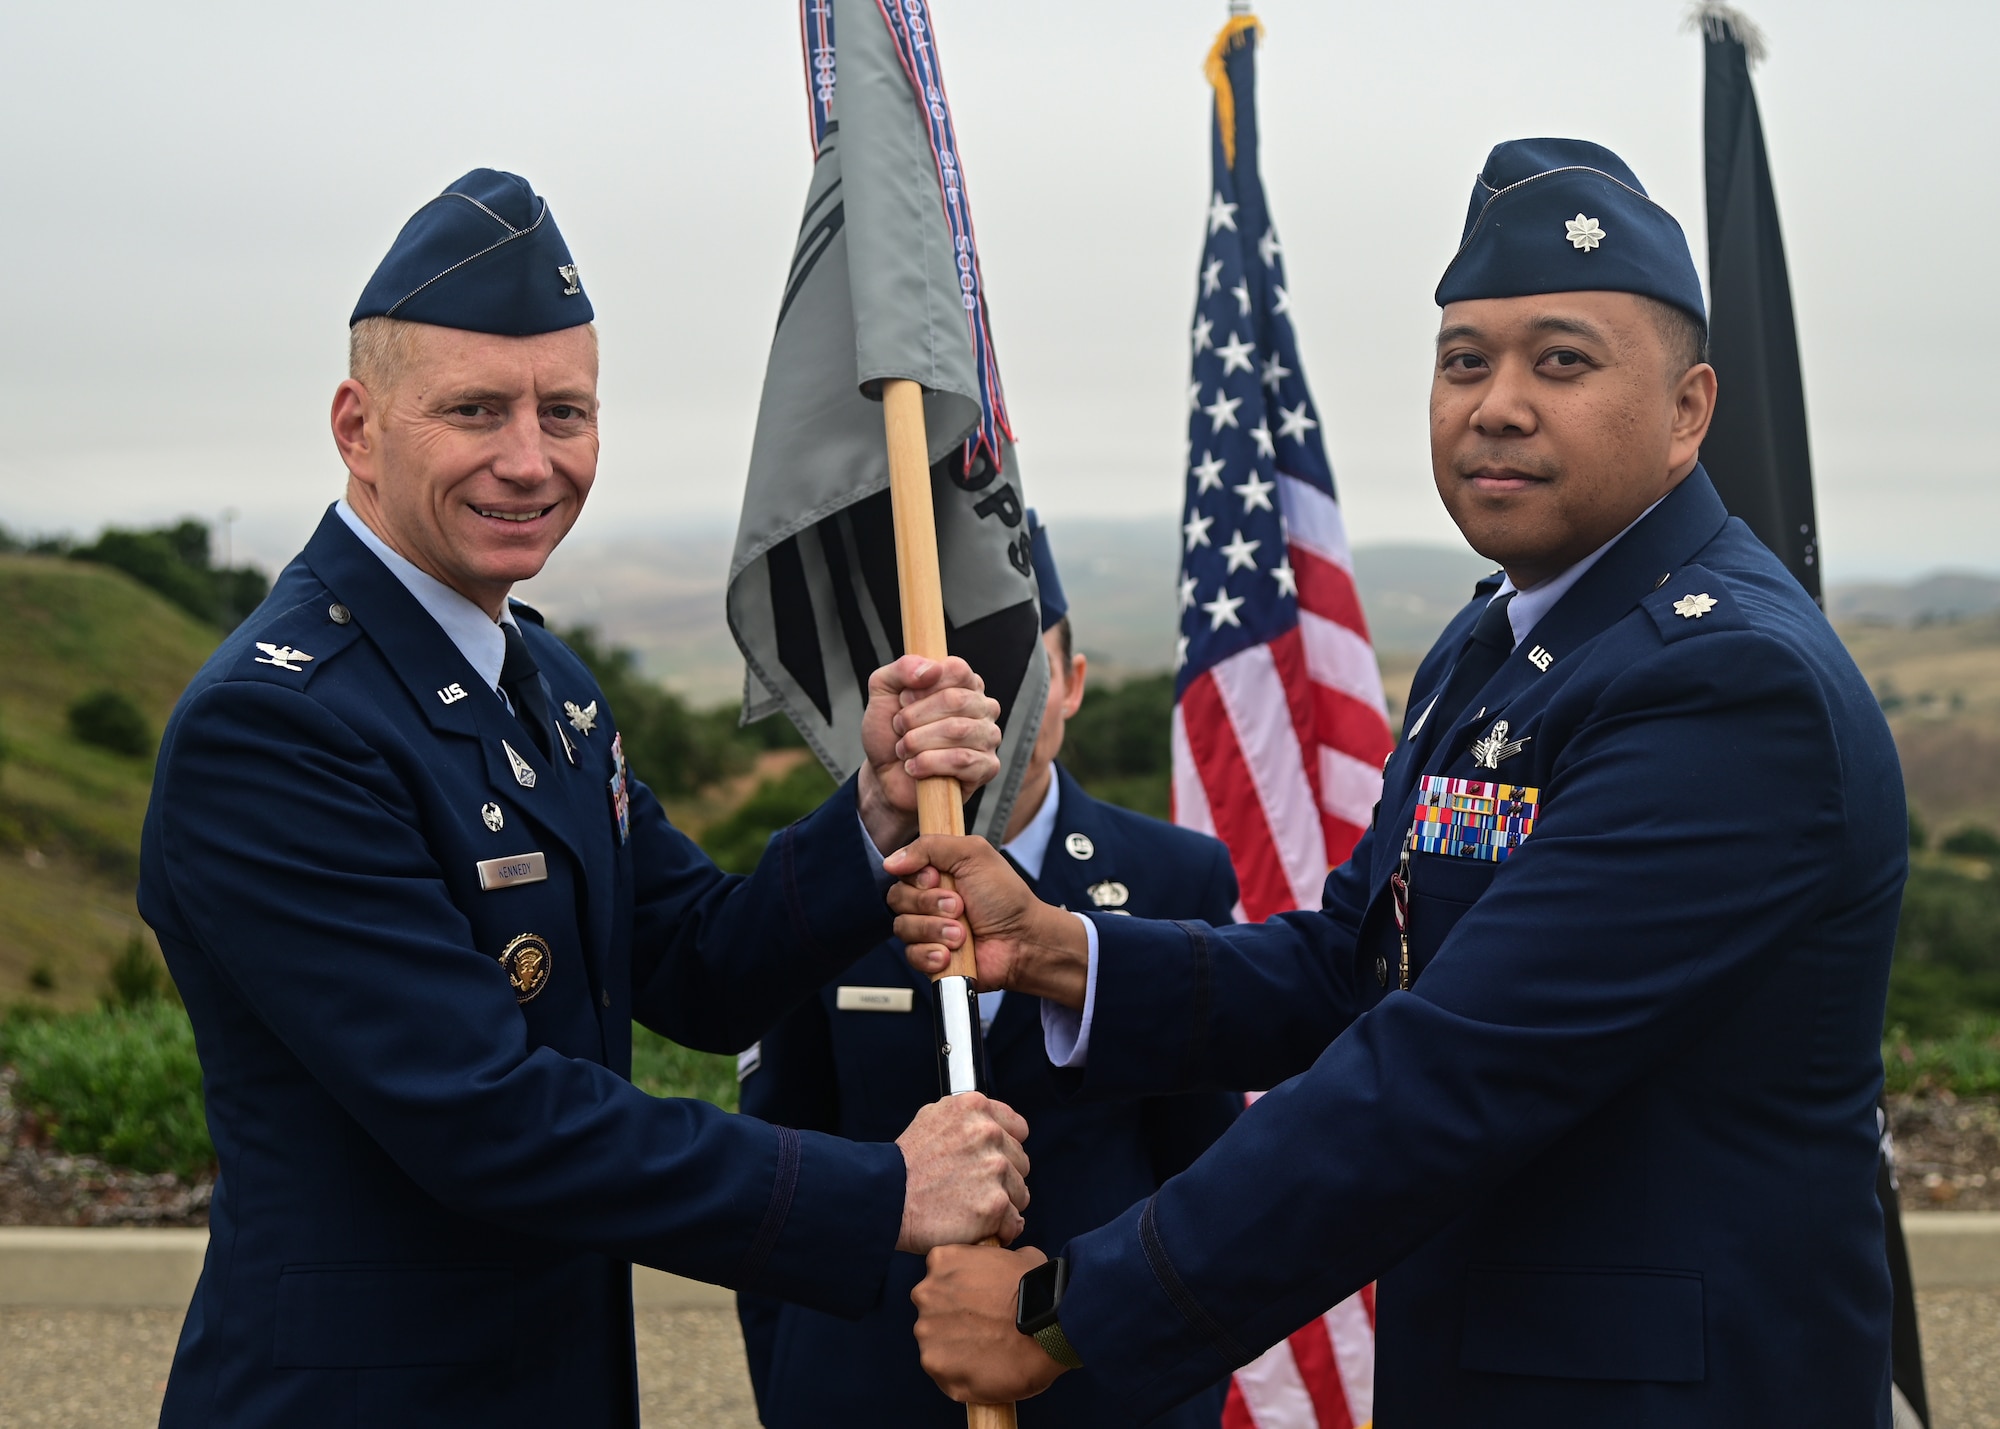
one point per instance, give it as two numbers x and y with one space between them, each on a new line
528 962
1468 818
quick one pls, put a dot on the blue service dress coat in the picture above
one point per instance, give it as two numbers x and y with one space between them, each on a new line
434 1170
1612 1155
864 1074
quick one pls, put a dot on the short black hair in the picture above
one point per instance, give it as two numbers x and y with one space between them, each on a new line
1685 335
1061 628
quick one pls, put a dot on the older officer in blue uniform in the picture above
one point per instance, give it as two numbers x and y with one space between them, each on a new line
860 1059
414 899
1580 1055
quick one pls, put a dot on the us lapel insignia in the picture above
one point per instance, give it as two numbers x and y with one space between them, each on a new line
1079 846
1488 752
1109 894
584 720
621 793
524 772
495 820
282 656
528 962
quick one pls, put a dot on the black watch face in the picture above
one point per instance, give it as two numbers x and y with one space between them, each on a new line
1041 1292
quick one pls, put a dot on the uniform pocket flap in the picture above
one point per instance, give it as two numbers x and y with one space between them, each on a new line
370 1316
1448 879
1585 1324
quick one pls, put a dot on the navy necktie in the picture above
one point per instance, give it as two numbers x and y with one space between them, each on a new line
1486 650
521 678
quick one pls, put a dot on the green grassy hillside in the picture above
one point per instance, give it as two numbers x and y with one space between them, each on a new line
69 812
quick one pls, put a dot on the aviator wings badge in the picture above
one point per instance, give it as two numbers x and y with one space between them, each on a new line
1488 752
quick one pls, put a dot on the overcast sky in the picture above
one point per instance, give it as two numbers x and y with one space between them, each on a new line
196 193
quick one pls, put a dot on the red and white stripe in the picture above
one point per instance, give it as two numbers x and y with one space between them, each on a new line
1278 752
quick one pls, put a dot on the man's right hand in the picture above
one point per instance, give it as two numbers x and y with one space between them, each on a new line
965 1174
1020 943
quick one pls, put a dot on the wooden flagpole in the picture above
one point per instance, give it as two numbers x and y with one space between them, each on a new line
939 809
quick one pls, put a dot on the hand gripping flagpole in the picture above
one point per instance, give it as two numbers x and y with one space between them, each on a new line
939 806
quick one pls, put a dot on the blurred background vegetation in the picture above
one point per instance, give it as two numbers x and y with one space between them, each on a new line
101 639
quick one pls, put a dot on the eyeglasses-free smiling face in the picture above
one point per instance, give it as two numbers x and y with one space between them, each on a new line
1557 419
472 454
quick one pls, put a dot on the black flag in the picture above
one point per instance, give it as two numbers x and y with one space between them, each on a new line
1756 449
1756 452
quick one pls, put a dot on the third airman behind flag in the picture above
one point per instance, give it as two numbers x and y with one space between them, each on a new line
884 283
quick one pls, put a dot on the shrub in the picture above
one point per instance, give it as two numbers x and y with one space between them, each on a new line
667 1069
110 721
674 749
737 842
1947 965
173 560
137 977
1972 841
1117 746
122 1085
1967 1063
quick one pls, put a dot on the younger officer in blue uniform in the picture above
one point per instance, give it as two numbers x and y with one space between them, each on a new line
861 1058
414 899
1584 1042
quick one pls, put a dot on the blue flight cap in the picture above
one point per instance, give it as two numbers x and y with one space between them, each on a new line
1567 216
484 256
1054 607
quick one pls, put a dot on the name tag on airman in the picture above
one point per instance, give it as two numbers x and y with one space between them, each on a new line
506 872
874 999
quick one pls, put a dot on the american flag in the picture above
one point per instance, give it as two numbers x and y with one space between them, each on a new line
1279 729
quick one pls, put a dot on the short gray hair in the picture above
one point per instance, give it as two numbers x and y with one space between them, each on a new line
381 349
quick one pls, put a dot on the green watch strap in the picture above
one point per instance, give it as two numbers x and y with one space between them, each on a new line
1052 1340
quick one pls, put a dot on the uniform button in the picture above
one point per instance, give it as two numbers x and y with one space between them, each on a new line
339 614
1381 972
606 995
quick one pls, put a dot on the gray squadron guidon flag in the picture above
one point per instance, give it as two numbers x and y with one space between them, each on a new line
884 283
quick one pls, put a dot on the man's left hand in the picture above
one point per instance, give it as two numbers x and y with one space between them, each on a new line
925 719
966 1336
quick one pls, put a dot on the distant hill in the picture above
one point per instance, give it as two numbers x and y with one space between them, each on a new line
70 813
1944 596
661 595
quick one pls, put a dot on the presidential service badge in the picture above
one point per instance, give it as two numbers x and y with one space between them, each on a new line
528 961
621 795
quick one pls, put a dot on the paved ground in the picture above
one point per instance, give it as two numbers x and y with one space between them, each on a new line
104 1369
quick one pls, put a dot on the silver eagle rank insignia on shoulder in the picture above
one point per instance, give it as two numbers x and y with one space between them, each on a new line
282 656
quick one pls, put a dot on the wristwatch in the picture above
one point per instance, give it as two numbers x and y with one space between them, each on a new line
1037 1306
